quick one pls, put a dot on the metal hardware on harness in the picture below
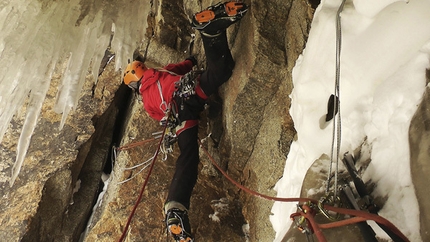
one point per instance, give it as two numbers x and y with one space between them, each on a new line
169 138
330 199
185 87
301 222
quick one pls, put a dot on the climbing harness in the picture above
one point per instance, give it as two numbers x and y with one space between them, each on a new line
184 89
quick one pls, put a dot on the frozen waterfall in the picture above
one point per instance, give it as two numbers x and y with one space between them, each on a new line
39 37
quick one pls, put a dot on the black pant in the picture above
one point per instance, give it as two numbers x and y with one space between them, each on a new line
220 64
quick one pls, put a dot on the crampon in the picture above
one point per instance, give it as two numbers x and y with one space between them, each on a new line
178 225
219 16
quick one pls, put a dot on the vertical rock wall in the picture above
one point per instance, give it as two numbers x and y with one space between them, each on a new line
249 125
259 129
248 121
419 143
53 195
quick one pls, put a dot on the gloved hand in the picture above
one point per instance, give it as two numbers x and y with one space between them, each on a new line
192 59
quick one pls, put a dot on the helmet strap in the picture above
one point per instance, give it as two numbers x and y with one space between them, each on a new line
135 86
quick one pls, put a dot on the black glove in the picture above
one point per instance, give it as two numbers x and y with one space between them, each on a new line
192 59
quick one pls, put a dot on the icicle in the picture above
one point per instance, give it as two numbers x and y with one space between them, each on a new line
30 122
15 83
34 35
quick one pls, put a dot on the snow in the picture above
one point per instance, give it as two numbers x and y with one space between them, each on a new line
385 51
39 36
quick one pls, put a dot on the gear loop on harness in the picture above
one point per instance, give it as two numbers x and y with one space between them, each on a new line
186 86
184 89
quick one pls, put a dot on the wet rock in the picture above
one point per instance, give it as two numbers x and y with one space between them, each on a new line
44 204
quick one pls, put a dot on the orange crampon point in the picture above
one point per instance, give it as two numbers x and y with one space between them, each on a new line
230 8
175 229
205 16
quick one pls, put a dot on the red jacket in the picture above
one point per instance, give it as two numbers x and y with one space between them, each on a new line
149 88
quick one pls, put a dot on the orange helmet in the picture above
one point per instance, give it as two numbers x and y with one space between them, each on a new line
134 72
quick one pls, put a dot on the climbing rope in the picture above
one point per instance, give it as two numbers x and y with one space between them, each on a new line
336 106
145 164
307 209
135 144
278 199
133 211
311 207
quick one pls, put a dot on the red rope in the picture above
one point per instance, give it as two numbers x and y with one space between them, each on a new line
135 144
142 189
359 216
309 215
257 194
368 216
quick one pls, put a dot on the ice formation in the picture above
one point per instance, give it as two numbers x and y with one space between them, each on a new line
38 36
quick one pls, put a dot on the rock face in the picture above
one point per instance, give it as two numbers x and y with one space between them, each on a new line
42 205
250 133
248 122
419 143
250 128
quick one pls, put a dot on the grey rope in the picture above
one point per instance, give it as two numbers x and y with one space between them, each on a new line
336 125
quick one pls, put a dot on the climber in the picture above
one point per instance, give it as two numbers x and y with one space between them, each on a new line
167 96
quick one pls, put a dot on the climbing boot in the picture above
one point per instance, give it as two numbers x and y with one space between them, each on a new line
218 17
178 225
